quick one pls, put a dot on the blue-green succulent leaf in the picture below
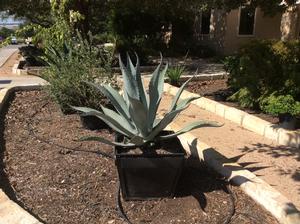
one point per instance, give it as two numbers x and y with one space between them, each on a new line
110 121
165 121
185 102
130 85
122 120
190 127
178 94
142 91
138 115
156 87
115 98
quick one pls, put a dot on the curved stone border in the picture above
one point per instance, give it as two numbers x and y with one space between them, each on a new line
260 191
11 212
279 135
278 205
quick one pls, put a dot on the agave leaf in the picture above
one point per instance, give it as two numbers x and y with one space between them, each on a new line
122 120
178 94
138 114
168 118
111 121
156 86
190 127
137 140
105 141
186 101
130 85
115 98
142 91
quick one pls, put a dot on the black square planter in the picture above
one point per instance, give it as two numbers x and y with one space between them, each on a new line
149 176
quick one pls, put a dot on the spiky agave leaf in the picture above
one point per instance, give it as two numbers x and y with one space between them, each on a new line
130 85
190 127
163 123
178 94
156 86
114 122
115 98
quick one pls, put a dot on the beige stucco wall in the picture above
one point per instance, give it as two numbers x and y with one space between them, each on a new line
264 28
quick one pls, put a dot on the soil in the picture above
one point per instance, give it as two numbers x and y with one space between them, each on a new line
61 180
218 90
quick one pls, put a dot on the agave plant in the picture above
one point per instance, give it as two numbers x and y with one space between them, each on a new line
136 111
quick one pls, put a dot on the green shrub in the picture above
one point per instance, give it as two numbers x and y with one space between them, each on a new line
174 74
282 104
263 67
69 70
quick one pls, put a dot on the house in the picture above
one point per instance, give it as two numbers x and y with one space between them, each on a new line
227 31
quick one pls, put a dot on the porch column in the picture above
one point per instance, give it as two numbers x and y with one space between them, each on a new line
218 29
289 21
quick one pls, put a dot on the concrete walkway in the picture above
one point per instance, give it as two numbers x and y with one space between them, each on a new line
10 57
277 165
6 52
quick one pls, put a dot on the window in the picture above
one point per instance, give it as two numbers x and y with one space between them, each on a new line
247 19
205 22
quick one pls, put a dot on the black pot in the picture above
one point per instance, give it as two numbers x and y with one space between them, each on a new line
92 123
149 175
287 121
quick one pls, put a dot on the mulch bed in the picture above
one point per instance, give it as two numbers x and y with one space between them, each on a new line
60 180
218 90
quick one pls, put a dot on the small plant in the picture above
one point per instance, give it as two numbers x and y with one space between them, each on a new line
70 66
280 105
174 74
136 111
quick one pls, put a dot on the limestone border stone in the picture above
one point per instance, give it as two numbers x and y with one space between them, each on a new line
279 135
10 211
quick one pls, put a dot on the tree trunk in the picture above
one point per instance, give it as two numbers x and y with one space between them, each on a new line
288 25
218 29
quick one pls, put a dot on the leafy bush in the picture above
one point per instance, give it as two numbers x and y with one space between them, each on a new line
263 67
282 104
69 70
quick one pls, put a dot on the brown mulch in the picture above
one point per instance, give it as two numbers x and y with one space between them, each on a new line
60 180
218 90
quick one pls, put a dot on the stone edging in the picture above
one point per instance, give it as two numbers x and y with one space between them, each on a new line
279 206
11 212
279 135
260 191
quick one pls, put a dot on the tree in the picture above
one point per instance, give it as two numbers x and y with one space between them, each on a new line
35 11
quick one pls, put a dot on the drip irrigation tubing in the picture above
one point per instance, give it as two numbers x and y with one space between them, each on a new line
120 208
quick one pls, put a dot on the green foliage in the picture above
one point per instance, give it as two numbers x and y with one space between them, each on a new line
244 97
5 32
136 111
282 104
5 42
31 54
70 66
263 67
174 74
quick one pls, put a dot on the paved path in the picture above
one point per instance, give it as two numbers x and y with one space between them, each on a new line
6 52
277 165
11 57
